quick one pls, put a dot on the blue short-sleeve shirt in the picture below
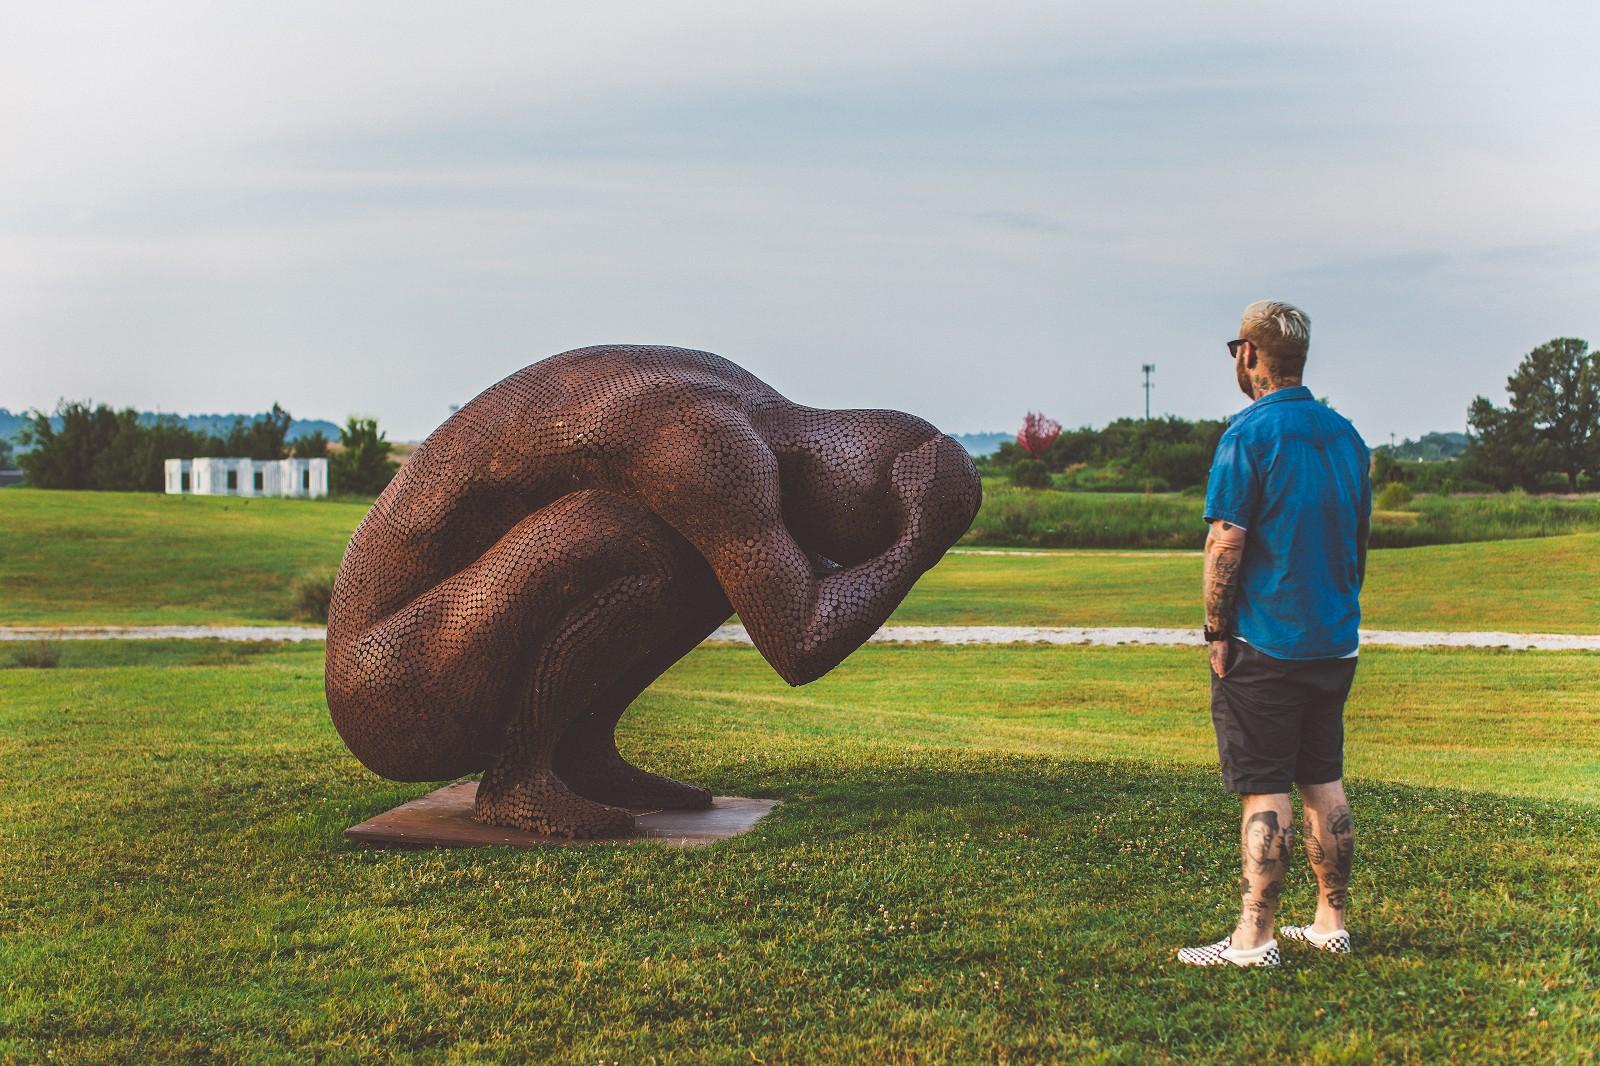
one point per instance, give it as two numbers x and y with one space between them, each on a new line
1293 473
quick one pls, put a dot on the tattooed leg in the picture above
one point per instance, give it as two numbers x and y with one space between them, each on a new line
1330 845
1265 840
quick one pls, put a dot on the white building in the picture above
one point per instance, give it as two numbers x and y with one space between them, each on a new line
248 477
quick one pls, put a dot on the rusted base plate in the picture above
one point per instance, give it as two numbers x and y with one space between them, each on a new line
443 819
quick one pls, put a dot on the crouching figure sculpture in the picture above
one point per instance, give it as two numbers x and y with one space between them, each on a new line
579 527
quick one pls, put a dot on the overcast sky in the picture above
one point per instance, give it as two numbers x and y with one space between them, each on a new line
960 210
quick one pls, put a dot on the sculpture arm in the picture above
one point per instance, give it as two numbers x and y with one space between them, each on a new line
837 612
730 509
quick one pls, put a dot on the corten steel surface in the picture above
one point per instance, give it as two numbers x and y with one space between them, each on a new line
444 819
579 527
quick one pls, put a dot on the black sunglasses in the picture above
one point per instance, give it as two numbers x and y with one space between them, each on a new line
1233 347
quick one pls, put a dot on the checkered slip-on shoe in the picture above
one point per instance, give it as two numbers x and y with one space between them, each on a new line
1337 941
1222 953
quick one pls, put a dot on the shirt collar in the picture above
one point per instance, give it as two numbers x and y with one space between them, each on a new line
1293 392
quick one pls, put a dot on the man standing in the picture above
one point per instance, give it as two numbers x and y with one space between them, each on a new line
1289 505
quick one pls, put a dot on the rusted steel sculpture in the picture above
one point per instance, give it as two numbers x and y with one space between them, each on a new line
576 529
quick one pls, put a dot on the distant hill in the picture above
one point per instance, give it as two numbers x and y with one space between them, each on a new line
983 443
1432 446
217 425
10 424
304 427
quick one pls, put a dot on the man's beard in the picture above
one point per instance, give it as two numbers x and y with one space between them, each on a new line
1244 379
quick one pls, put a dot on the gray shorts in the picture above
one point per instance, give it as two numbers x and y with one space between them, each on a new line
1279 721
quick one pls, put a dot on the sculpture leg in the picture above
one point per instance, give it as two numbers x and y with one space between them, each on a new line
522 788
487 670
558 770
588 760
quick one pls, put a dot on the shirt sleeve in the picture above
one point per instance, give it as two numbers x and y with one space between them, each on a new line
1234 491
1366 483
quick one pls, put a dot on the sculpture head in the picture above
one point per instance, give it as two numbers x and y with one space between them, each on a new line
834 474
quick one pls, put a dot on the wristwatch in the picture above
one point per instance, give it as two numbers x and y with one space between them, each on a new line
1214 634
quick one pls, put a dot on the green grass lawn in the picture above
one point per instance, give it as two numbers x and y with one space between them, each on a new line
1550 584
1034 518
984 854
123 558
69 558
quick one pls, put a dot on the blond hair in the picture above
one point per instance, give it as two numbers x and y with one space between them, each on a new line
1280 330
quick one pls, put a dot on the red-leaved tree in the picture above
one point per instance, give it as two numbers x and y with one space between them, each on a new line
1037 434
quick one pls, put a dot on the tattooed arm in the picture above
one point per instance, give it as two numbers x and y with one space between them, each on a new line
1224 554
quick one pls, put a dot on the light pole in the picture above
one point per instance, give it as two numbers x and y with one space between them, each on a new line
1149 368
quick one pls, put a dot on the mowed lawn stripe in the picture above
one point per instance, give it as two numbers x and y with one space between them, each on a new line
1545 585
84 558
123 558
1516 723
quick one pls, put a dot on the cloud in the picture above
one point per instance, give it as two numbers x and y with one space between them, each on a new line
959 209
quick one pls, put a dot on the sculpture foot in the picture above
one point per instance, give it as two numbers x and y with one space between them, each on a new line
544 805
622 784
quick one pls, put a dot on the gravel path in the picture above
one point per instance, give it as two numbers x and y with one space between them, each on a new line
291 633
1069 554
1102 635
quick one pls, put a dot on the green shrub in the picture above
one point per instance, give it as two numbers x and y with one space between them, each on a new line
311 597
361 466
1029 474
1178 465
1396 496
1385 468
1085 478
37 655
1013 517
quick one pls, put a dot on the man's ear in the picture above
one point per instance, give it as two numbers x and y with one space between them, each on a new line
1250 355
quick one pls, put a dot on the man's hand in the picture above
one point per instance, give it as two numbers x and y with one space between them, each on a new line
1219 657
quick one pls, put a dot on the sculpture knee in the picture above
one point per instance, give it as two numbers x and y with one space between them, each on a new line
428 691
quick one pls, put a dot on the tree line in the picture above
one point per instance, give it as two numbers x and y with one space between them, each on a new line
1550 429
1128 455
102 448
1546 439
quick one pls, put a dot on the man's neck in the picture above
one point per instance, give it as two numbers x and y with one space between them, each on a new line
1262 385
